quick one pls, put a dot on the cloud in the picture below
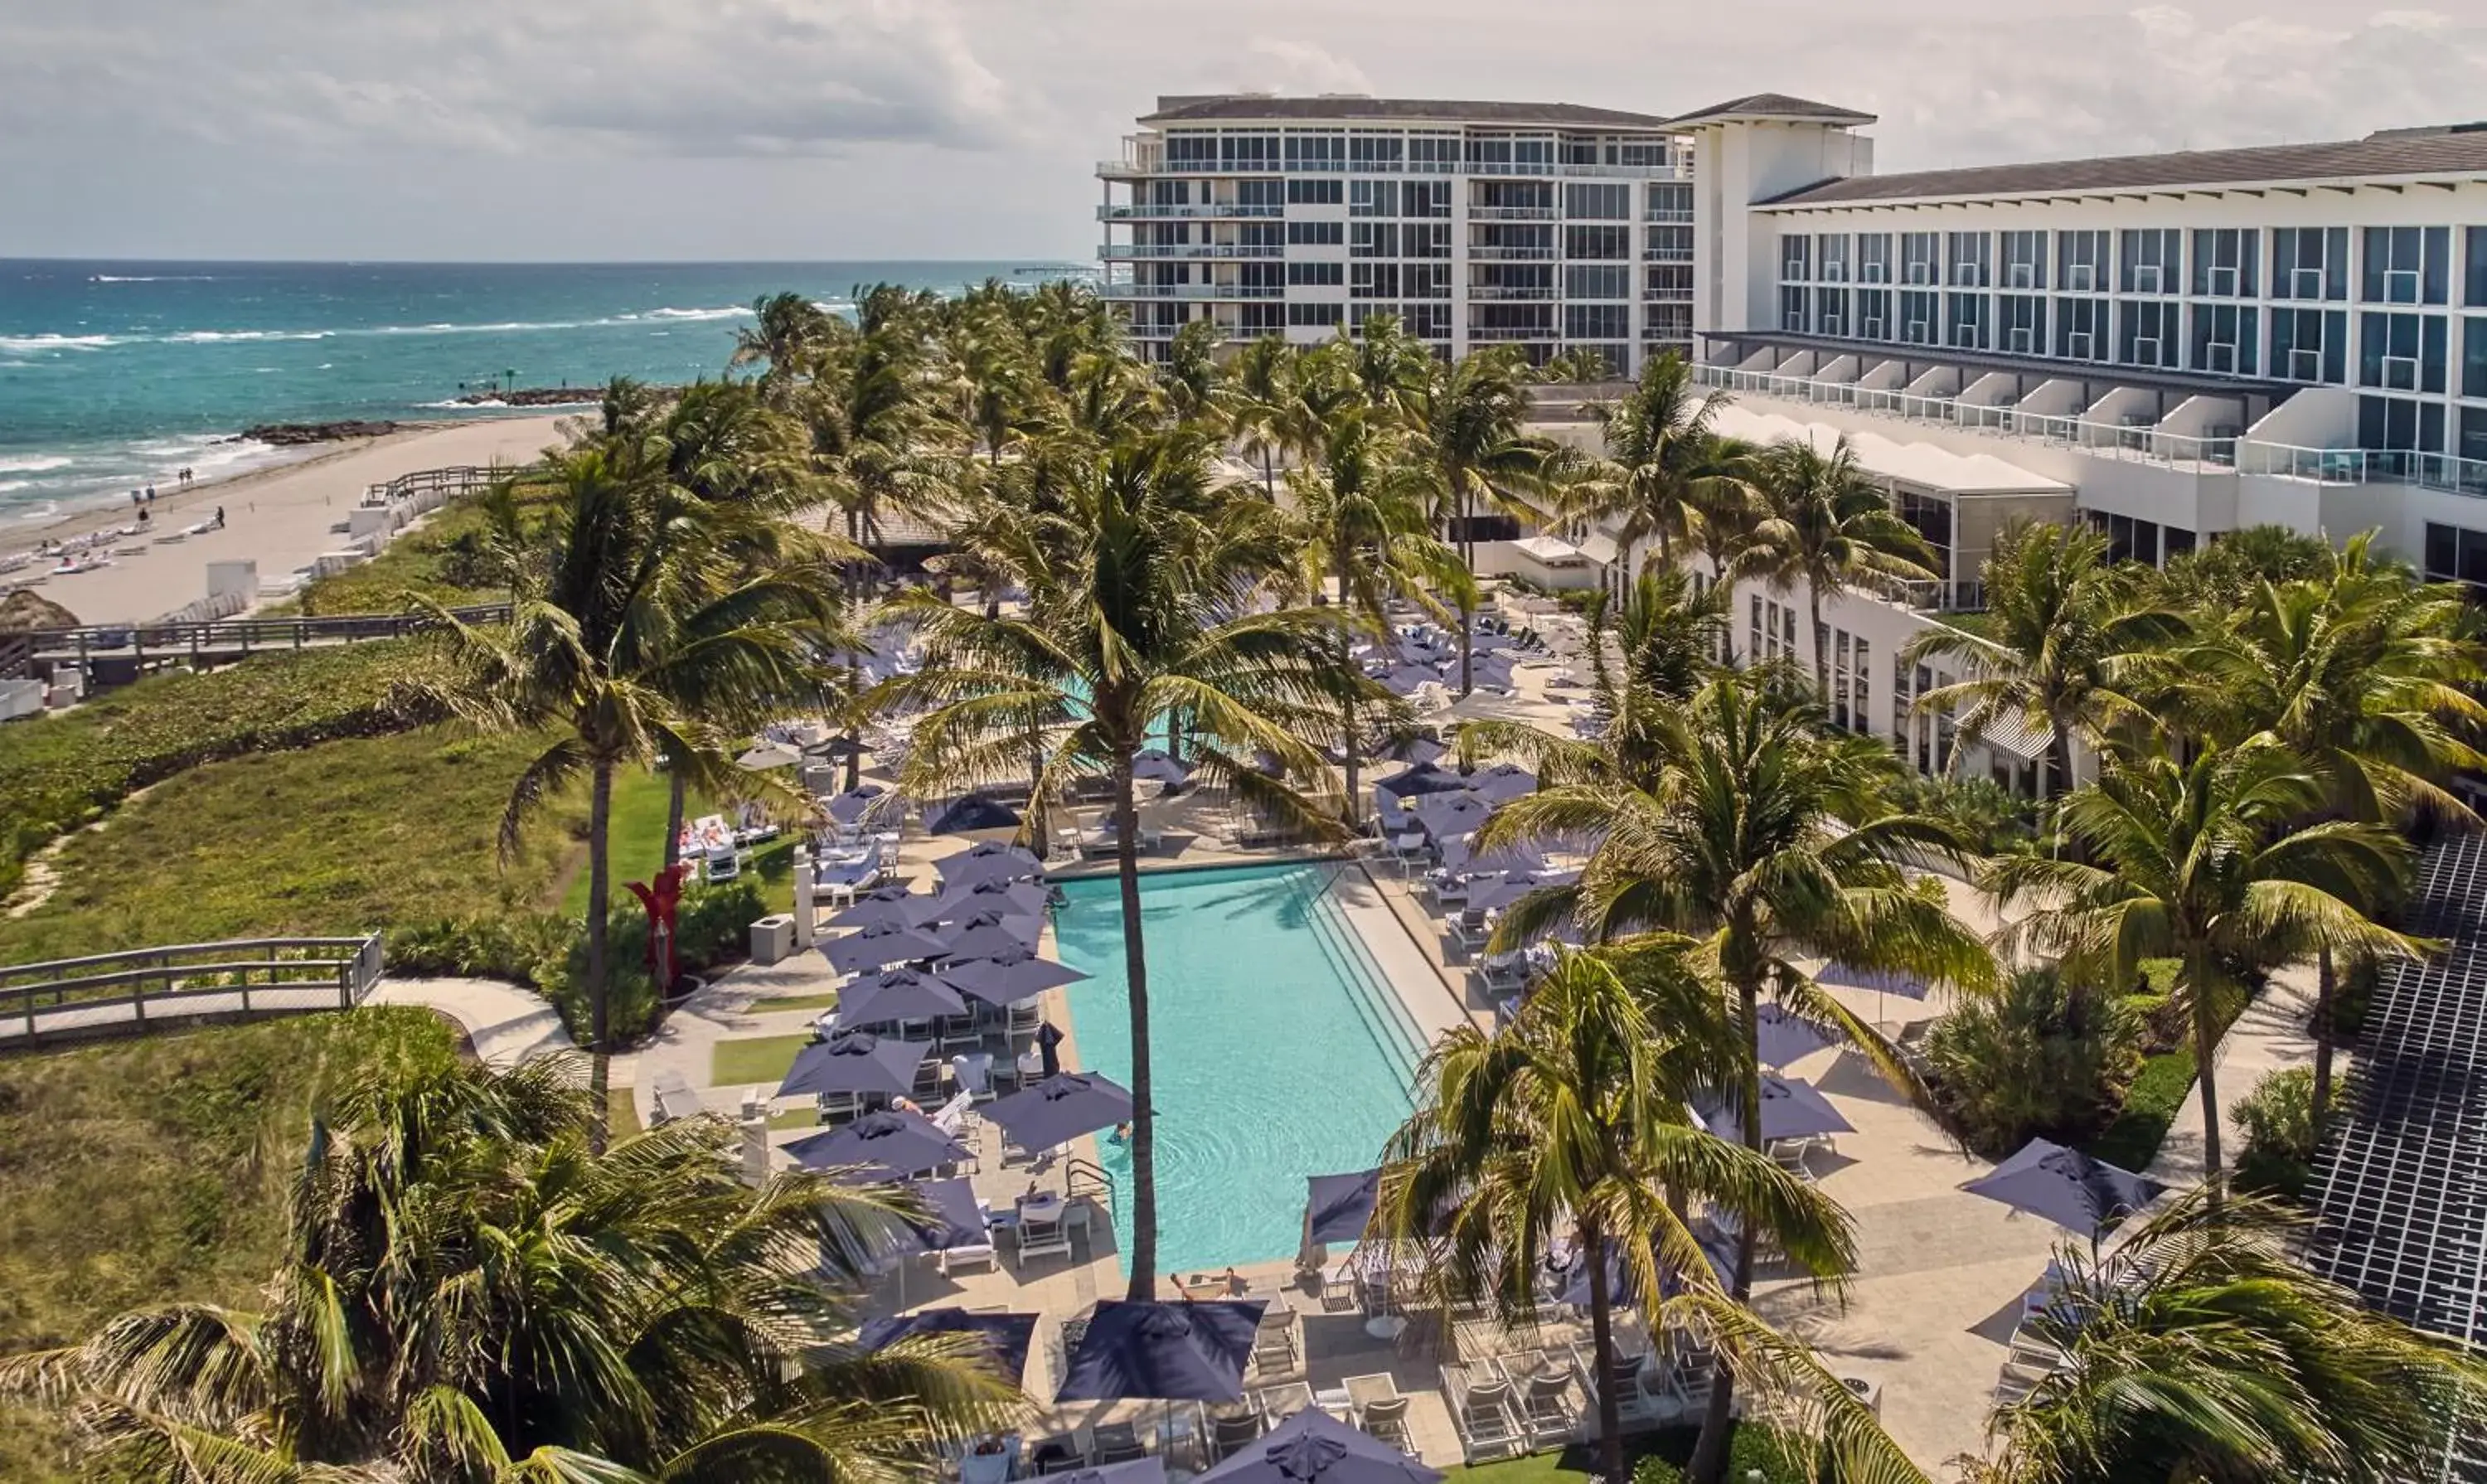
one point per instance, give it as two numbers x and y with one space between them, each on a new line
1276 65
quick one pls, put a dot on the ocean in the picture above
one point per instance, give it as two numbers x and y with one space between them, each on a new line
114 375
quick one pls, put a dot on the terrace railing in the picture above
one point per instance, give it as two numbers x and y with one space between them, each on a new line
129 992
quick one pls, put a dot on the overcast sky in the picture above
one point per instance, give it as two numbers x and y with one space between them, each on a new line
970 129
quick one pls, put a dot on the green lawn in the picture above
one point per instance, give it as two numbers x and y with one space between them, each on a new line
642 802
753 1059
338 839
1750 1454
778 1005
147 1171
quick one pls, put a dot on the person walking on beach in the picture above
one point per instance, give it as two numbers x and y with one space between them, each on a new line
220 517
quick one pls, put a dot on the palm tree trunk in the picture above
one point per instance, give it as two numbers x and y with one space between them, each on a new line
855 669
600 988
674 818
1269 477
1347 707
1143 1258
2326 985
1814 640
1709 1464
2206 1043
1601 1345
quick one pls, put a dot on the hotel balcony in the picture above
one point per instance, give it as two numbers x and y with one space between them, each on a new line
1119 250
1147 161
1666 252
1512 214
1198 211
1499 254
1678 216
1514 291
1195 291
1521 332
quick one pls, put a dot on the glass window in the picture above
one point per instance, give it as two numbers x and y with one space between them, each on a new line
2309 345
1424 198
2081 331
1831 257
2309 263
2147 334
2473 444
1376 152
1971 263
2398 425
1597 281
2224 339
1373 240
1316 192
1261 196
2407 265
1874 313
1920 318
1918 257
2082 262
1318 316
1316 234
1795 251
1597 203
2224 262
2025 260
1372 281
1317 274
1425 239
1372 198
1597 321
1830 312
1874 257
2402 352
1613 242
1968 321
1792 309
2474 358
2022 320
2474 284
2152 261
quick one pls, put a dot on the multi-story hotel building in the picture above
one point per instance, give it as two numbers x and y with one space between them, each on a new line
1548 226
2168 347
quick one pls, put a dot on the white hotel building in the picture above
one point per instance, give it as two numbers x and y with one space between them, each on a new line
2168 347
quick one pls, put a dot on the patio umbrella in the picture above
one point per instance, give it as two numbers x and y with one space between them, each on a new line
1486 893
2066 1187
971 813
1163 1352
890 1144
1444 814
851 806
892 905
1007 978
1418 748
1060 1108
962 901
1790 1109
1314 1447
880 944
768 755
969 869
1337 1208
855 1061
1010 1336
1502 782
1881 981
1049 1046
1782 1036
1408 679
1155 765
1457 856
952 1217
1417 781
898 994
982 933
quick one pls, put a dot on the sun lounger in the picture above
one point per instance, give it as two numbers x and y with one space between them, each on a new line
1233 1432
675 1100
1483 1413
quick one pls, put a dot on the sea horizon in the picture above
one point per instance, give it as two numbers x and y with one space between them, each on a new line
116 373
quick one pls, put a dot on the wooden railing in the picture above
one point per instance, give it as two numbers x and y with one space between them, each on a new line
223 638
129 992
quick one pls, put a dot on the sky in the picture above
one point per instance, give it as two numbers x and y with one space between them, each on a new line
820 129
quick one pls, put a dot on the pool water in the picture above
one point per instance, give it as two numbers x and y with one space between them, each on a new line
1280 1052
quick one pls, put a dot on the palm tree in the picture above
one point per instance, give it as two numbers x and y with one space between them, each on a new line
2365 675
1769 838
1472 438
2201 1348
1662 477
1566 1127
1193 383
1143 587
469 1291
1389 367
640 606
787 337
1825 523
1257 393
2065 630
2207 862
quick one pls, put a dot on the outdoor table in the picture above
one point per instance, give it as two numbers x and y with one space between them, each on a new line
1279 1403
1364 1391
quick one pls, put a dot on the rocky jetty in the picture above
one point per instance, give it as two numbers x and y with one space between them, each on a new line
533 397
295 434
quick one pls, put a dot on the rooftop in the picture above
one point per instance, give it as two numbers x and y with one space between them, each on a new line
1773 105
1353 106
2454 151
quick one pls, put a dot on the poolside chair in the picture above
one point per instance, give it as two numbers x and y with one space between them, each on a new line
1233 1432
1387 1420
1043 1239
1482 1412
675 1099
970 1255
837 1106
1409 851
1545 1396
959 1029
1118 1443
1274 1346
1471 930
1338 1293
1026 1017
973 1073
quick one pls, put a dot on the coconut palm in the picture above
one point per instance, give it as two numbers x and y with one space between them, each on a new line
2367 676
2201 1348
639 610
1257 393
1821 521
1566 1129
1192 377
469 1291
1389 367
1472 438
787 337
1769 838
2066 637
1662 477
2208 863
1144 587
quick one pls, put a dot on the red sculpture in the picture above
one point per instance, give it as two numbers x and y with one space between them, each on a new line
661 900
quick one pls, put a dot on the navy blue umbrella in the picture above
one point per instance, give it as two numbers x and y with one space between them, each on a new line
1007 978
874 946
956 903
881 907
890 1144
898 994
1010 1336
1313 1448
1422 779
1339 1207
952 1216
989 862
982 933
971 813
863 800
1049 1045
855 1061
2066 1187
1502 782
1060 1108
1163 1352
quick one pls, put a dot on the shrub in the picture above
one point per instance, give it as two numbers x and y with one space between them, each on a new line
2131 1141
2278 1119
1993 819
2044 1057
1751 1451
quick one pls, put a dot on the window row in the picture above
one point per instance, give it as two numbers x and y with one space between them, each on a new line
2394 264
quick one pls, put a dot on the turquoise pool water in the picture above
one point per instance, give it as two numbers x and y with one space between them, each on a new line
1279 1050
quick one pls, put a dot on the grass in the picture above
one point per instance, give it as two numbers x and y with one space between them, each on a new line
807 1116
1752 1452
642 803
621 1110
2132 1139
343 838
439 560
778 1005
148 1172
754 1059
1979 623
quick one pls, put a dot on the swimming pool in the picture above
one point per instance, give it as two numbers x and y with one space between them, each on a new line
1280 1052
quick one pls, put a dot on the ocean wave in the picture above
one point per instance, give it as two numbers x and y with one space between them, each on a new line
49 341
728 312
35 463
218 337
25 345
152 278
7 485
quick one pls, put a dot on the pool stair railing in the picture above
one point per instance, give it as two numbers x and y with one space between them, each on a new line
1086 1177
1384 1015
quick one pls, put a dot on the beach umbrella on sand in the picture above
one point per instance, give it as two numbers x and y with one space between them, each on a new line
1314 1447
986 931
1790 1109
890 1144
1181 1351
1444 814
855 1061
1060 1108
898 994
1408 679
1782 1036
857 804
883 906
971 814
1337 1208
885 943
768 755
1502 782
964 900
1007 978
2068 1187
1011 1337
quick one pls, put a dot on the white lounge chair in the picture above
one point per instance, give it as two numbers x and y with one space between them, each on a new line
1043 1239
1482 1412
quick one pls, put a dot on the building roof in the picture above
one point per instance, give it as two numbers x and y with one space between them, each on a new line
1924 466
1773 105
2456 149
1353 106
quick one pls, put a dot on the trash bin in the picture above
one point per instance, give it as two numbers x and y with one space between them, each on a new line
772 937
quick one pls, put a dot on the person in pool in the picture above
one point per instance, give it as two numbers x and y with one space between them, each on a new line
1121 1133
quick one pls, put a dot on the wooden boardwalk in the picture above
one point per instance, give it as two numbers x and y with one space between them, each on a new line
137 989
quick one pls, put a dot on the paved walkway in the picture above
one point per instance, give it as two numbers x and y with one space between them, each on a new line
2272 1033
506 1024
